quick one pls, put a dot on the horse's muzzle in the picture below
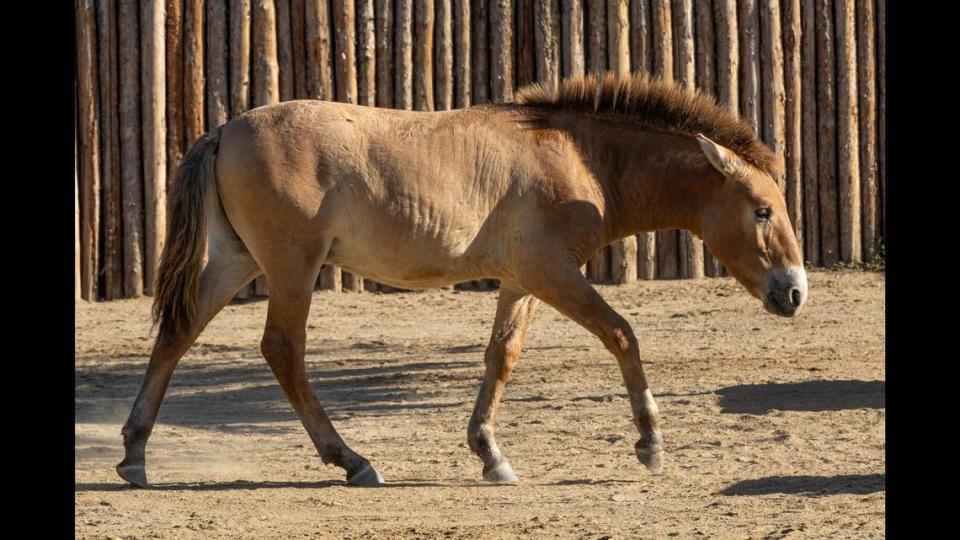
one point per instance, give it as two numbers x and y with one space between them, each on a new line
786 291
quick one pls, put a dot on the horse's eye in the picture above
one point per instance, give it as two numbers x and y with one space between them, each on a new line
763 214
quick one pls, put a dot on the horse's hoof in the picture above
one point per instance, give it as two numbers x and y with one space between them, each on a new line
652 458
135 474
502 472
366 477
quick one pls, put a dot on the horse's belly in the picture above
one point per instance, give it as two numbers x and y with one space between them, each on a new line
408 265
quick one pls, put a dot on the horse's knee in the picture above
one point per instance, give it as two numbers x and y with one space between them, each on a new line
621 340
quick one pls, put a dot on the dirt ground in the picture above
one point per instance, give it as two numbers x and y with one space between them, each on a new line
773 427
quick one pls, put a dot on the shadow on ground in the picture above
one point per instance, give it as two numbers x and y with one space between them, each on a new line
239 485
851 484
813 396
234 393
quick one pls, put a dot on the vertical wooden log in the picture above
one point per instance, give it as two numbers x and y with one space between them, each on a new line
89 147
345 62
403 63
154 135
366 54
480 51
728 54
298 31
193 80
771 69
525 71
597 37
266 73
462 83
661 24
111 203
423 55
705 47
443 60
690 247
706 53
808 126
344 24
662 39
385 44
130 154
218 60
320 86
194 112
76 212
330 278
684 68
239 57
623 252
749 23
598 266
728 65
501 51
827 135
618 36
640 46
173 33
284 40
866 84
319 61
571 49
222 53
882 115
547 41
501 64
623 260
848 138
793 155
266 69
641 51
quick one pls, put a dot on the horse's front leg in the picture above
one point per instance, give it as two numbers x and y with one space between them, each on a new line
562 286
514 312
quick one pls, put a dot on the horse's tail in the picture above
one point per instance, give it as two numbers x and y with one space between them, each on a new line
181 264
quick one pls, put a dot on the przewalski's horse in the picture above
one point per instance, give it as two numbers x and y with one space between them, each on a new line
523 192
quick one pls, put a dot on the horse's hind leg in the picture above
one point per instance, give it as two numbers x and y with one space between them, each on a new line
223 276
283 344
514 312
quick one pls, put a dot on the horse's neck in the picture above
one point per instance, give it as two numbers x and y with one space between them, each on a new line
651 179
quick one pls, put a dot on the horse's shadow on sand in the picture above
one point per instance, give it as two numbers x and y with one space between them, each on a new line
237 395
240 485
846 484
810 396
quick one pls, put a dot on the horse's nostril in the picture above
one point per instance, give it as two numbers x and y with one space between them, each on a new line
795 297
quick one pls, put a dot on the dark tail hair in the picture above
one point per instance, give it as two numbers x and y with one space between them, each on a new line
178 275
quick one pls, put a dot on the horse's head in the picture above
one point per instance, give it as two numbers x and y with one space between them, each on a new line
746 226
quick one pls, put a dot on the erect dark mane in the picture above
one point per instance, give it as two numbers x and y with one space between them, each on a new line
657 104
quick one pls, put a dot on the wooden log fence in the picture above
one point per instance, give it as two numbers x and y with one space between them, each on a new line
807 75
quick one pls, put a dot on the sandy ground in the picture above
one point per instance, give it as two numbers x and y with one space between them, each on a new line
774 427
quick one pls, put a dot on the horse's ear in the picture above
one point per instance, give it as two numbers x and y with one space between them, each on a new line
721 158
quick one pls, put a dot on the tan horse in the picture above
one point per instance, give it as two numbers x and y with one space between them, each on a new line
524 193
